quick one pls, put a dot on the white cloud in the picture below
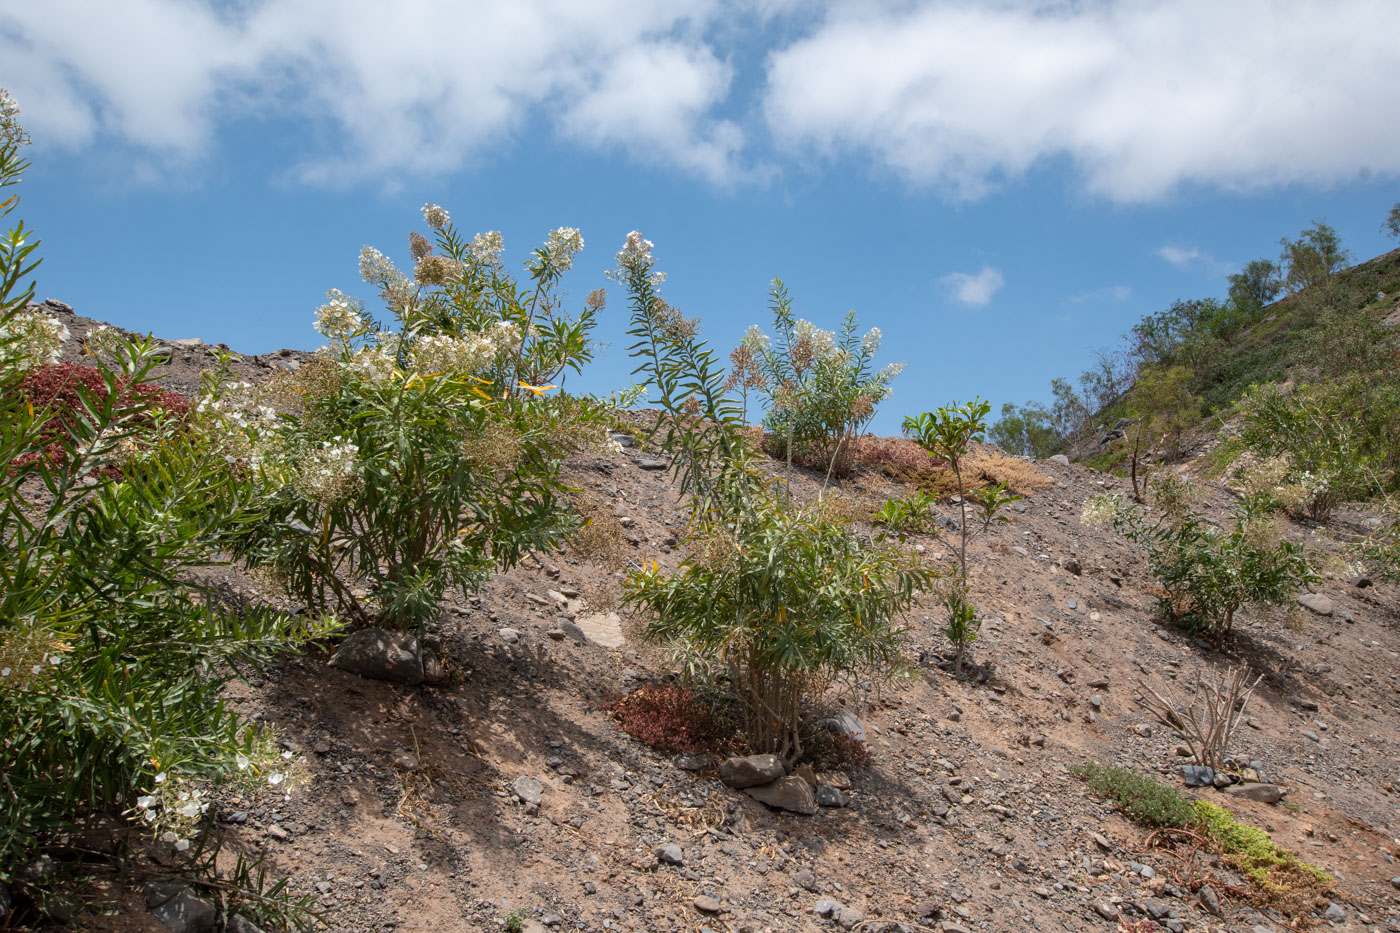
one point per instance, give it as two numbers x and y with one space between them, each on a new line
419 87
1141 96
1180 255
974 290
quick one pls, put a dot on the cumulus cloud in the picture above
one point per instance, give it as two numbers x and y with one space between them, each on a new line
1193 257
974 290
1141 96
421 87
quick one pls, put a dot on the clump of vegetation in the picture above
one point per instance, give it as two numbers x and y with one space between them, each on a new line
1206 726
426 458
114 653
1141 799
1208 574
821 386
669 717
835 751
1380 552
962 625
1279 878
775 603
991 499
911 514
948 433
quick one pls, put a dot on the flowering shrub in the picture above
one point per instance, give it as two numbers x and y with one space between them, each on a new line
1209 574
778 603
821 386
113 657
31 338
426 457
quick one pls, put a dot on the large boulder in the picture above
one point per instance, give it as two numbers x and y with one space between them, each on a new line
381 655
751 770
174 904
789 793
845 722
1264 793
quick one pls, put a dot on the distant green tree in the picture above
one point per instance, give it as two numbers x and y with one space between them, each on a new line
1027 430
1165 408
1313 257
1256 285
1391 227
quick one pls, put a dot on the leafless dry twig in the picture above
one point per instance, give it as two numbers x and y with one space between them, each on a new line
1206 732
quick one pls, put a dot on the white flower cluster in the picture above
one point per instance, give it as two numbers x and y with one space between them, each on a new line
371 364
1100 510
756 339
32 338
562 245
892 371
173 806
436 217
870 343
822 342
341 317
329 474
103 340
636 251
486 248
375 267
1313 484
438 353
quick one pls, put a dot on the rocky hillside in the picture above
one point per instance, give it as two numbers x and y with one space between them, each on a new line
509 786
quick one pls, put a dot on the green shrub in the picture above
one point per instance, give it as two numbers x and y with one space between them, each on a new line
1279 876
1208 574
911 514
1142 799
777 603
426 458
113 652
962 624
821 386
990 499
1380 552
948 433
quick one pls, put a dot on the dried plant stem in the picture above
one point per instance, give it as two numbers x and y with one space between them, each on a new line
1206 732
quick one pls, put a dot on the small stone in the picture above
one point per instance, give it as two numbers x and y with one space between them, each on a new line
241 924
706 904
1101 841
1106 910
509 635
828 796
692 762
1060 459
1210 900
805 880
405 760
1395 882
1074 567
278 833
1334 914
670 854
646 463
751 770
1197 775
174 904
826 908
845 722
848 918
789 793
1263 793
1317 603
528 790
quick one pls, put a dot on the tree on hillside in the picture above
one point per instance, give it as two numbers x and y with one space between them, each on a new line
1255 285
1391 227
1313 257
1026 430
1165 408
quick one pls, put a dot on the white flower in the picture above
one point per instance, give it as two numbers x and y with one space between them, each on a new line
275 778
487 247
871 341
242 761
636 251
891 371
4 672
436 217
160 778
32 338
181 845
375 267
329 474
341 317
372 365
146 802
1100 510
756 338
562 245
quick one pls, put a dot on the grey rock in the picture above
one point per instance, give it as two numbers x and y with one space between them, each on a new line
1223 780
1210 900
381 655
174 904
1316 602
1334 914
1106 910
670 854
848 918
826 908
789 793
1060 458
623 440
1395 882
572 631
1263 793
646 463
58 305
828 796
845 722
509 635
692 762
1157 910
751 770
706 904
528 790
241 925
1145 871
1074 567
1017 549
805 880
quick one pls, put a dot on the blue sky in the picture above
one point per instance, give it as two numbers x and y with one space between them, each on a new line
1000 187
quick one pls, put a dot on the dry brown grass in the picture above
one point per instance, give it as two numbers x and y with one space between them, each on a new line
600 538
1019 475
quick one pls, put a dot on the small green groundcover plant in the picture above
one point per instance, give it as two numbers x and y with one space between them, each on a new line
1278 877
777 603
1208 574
